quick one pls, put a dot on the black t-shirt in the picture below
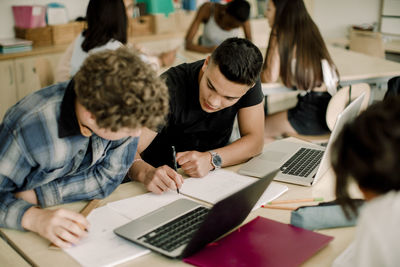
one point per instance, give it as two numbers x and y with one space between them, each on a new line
188 126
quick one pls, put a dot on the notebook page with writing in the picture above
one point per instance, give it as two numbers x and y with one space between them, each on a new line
102 247
221 183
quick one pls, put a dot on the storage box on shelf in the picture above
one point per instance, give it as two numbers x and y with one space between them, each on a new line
40 36
51 35
143 25
66 33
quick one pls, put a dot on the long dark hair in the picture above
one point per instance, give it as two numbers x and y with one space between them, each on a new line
106 20
297 33
368 151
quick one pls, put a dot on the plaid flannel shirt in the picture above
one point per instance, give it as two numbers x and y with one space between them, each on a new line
41 148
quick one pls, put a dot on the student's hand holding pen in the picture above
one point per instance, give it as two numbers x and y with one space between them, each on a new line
61 226
194 163
158 180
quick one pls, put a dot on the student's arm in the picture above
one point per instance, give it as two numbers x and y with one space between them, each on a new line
251 126
156 180
203 14
17 212
271 68
247 30
62 72
97 181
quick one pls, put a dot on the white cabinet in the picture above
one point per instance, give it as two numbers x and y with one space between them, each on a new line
8 88
27 80
26 74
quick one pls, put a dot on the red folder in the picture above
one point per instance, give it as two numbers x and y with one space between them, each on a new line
261 242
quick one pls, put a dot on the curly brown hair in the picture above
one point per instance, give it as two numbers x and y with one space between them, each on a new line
120 90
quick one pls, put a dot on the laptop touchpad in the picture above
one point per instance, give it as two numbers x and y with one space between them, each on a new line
273 156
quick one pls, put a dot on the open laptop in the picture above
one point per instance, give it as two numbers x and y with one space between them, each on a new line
299 163
183 227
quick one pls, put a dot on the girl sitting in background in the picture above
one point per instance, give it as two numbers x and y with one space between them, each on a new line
220 22
104 31
367 152
297 55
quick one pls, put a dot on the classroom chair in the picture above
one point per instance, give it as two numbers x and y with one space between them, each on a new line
335 106
44 71
367 42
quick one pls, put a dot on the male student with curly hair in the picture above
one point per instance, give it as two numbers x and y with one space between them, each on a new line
75 141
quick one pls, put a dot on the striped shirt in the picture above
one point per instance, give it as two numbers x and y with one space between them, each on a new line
41 148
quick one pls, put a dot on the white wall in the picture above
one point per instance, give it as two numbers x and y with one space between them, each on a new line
333 17
75 9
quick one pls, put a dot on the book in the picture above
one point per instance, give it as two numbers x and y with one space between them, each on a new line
14 45
14 42
222 183
261 242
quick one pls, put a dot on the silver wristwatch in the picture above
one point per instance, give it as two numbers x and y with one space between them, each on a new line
216 160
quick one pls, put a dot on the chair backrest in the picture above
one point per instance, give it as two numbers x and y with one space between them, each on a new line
366 42
342 98
44 71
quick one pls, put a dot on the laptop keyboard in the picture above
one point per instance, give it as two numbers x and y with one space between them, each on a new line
303 162
177 232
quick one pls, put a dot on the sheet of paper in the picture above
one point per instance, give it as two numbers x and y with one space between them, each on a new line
220 184
102 247
138 206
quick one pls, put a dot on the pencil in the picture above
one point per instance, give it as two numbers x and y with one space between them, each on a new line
85 212
175 163
318 199
278 207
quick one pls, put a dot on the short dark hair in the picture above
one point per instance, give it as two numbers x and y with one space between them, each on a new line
239 60
239 9
120 90
367 150
106 20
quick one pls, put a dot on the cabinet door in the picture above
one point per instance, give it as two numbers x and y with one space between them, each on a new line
27 80
8 89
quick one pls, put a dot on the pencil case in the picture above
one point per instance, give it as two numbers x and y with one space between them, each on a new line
324 215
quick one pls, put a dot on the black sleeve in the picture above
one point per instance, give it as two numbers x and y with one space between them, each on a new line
253 96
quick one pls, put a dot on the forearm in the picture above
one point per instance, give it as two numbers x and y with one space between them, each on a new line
139 170
241 150
12 211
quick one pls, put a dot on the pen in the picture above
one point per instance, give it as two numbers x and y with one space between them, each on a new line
318 199
175 164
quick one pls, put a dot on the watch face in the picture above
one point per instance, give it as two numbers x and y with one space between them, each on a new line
217 161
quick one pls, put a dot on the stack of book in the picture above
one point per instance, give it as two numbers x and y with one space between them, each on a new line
14 45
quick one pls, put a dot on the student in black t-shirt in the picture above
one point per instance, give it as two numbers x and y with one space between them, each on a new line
205 97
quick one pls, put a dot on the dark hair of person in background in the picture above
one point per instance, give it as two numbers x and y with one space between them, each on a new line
106 20
296 31
239 9
368 151
239 60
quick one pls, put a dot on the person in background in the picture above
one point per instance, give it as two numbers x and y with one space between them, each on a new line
205 97
220 22
297 55
75 141
104 32
367 152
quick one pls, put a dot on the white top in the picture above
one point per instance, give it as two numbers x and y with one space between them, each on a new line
79 56
329 75
213 34
74 56
377 241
